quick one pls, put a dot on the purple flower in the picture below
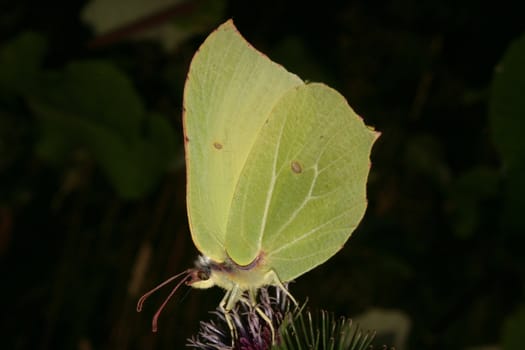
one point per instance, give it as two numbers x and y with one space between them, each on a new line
252 331
295 328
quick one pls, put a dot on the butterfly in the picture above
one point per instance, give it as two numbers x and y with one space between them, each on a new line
276 170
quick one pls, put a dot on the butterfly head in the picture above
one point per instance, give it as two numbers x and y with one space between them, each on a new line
201 274
208 273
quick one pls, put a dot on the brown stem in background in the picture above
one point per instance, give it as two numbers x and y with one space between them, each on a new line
142 24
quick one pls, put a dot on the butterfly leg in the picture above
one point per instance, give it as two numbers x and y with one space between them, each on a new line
276 281
266 318
226 305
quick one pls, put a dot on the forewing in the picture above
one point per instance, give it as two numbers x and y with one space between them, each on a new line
303 189
230 90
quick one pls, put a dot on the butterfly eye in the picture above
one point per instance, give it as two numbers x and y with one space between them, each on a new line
203 275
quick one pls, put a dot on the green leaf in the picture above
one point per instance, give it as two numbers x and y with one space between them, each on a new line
466 194
304 330
97 92
189 18
93 106
513 333
20 61
507 105
507 114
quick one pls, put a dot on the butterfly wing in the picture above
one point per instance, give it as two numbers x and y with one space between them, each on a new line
303 189
229 93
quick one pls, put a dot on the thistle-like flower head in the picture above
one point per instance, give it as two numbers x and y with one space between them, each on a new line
252 330
295 328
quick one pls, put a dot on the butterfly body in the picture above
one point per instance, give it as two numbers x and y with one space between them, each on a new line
228 275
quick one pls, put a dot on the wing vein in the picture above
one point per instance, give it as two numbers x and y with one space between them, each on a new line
269 193
305 201
308 197
316 229
309 233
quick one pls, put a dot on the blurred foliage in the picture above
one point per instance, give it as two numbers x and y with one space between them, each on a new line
194 17
513 336
507 116
322 330
92 190
89 105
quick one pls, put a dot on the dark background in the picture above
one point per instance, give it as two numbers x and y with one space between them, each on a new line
85 230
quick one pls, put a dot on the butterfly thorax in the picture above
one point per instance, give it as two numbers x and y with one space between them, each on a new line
227 275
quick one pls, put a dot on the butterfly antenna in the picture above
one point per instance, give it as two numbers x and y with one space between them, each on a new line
142 299
157 314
